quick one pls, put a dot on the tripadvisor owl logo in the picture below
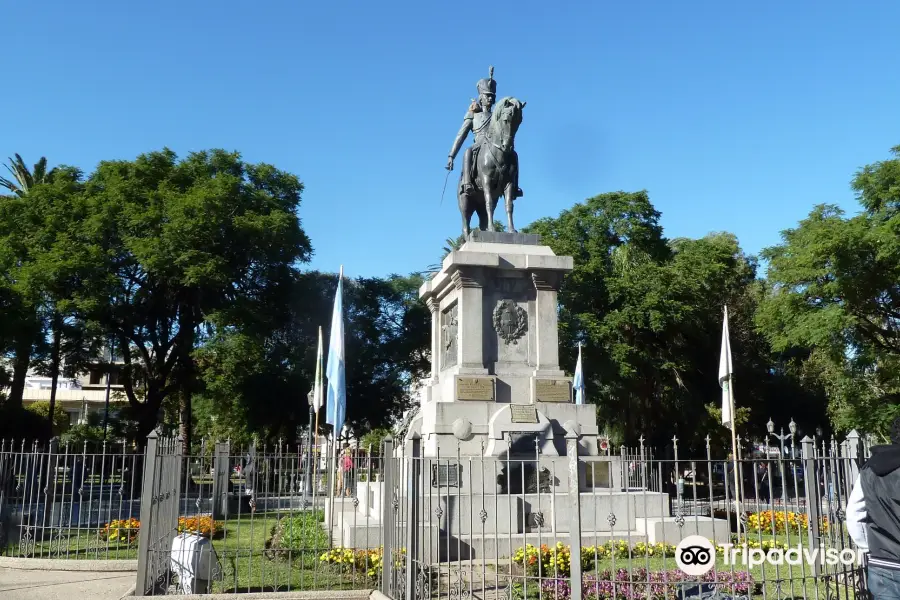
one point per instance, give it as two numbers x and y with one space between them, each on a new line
695 555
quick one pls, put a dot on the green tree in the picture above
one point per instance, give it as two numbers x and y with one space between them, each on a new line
24 179
255 381
834 300
60 417
23 327
648 312
184 249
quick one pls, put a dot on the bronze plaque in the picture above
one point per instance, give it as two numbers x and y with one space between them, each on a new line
552 390
475 388
523 413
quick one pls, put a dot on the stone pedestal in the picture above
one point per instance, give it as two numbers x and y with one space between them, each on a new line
493 422
496 384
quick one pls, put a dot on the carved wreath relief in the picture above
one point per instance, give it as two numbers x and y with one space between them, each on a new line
510 321
449 327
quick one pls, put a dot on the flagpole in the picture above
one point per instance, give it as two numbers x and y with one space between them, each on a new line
734 455
733 427
334 436
320 400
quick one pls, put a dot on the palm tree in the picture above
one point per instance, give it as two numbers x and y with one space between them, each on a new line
23 181
450 245
23 178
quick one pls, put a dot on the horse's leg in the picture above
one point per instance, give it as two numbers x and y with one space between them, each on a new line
465 207
490 203
508 196
480 208
490 194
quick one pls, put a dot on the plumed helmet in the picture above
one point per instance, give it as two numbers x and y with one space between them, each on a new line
487 85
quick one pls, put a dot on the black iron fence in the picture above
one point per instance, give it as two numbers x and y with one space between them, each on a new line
69 501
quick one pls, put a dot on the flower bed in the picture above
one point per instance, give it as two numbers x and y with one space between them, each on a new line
204 526
555 561
121 531
370 562
779 522
640 584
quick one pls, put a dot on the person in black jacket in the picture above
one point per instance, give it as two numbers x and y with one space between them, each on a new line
873 517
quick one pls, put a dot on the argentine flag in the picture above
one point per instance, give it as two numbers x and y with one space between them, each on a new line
578 383
725 373
336 407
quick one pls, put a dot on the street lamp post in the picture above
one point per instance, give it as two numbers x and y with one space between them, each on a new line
781 437
311 398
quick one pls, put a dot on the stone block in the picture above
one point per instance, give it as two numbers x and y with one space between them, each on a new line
667 530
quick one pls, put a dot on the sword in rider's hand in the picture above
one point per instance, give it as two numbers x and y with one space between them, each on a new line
446 179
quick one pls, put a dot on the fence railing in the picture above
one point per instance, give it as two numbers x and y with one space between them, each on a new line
69 501
534 525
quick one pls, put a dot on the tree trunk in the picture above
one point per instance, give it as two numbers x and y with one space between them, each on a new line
54 368
148 419
20 370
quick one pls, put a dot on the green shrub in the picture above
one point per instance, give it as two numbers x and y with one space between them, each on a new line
374 439
302 531
60 416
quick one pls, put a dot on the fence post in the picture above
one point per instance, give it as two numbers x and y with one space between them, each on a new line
575 522
147 498
811 483
49 492
412 516
854 441
387 518
221 472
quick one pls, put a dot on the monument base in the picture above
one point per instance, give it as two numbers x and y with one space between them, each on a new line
452 525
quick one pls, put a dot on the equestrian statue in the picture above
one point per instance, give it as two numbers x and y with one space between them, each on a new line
490 166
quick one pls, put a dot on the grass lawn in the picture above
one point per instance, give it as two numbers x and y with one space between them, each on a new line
73 544
250 564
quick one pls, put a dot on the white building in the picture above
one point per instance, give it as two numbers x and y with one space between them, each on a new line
83 394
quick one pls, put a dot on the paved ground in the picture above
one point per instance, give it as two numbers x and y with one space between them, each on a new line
63 585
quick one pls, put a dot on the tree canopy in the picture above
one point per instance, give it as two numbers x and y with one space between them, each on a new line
191 271
648 312
833 299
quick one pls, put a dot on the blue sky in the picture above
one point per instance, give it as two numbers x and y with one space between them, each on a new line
734 116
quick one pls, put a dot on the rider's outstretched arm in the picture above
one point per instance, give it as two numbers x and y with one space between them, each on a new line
462 135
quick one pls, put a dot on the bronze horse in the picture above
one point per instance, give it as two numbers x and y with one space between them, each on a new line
496 169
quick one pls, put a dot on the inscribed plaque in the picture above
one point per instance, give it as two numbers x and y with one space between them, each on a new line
552 390
445 475
523 413
475 388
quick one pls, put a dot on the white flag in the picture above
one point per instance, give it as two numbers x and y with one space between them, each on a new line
725 372
578 383
319 390
336 402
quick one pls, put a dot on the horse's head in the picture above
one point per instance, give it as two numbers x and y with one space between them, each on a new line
505 121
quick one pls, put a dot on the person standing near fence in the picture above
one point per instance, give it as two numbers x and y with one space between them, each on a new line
344 482
873 517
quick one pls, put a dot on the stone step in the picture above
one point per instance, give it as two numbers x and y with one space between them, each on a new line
437 547
667 529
